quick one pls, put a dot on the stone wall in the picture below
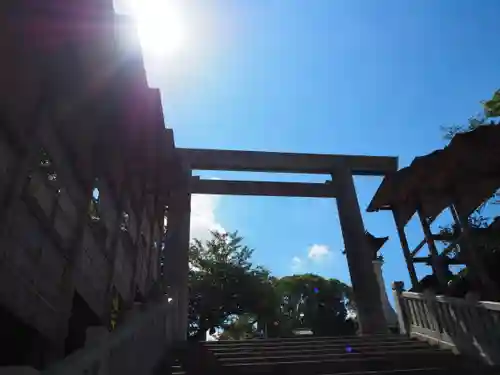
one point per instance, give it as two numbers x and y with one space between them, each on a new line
66 131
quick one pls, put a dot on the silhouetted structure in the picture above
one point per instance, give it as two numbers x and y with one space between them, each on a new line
84 175
460 178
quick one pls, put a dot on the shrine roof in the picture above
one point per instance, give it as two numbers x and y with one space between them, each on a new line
466 173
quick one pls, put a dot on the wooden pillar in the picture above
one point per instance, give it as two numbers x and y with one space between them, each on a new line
435 261
406 250
359 256
177 253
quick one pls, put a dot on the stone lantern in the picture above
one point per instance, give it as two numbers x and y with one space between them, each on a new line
376 243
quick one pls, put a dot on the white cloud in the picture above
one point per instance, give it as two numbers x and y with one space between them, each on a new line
317 256
318 253
203 216
296 264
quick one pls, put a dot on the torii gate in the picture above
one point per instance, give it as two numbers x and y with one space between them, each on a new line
340 167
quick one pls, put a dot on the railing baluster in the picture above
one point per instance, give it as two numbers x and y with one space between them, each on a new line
464 318
454 321
423 314
478 323
418 312
411 309
440 316
487 326
411 319
414 312
429 312
446 318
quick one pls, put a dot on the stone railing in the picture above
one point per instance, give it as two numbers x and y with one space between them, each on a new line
470 328
137 347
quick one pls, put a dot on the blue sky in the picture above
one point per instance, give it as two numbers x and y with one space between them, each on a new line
323 76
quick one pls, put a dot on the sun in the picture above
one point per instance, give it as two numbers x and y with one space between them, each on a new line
160 26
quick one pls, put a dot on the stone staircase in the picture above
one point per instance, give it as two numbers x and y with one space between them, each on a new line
367 355
176 368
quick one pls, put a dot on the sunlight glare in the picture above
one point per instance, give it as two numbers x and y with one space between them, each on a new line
160 26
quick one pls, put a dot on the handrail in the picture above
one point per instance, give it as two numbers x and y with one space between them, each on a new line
490 305
134 348
469 327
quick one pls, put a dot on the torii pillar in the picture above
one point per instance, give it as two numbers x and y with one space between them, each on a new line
177 252
359 256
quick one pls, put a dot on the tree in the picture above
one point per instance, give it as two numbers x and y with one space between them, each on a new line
484 240
311 301
228 292
491 110
241 327
225 284
492 106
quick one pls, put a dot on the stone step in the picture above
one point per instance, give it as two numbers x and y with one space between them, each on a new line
313 338
332 356
417 371
308 340
337 347
424 371
317 351
333 341
350 364
176 368
368 355
340 346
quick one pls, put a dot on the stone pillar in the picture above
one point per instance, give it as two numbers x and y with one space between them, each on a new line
177 254
359 257
403 320
389 313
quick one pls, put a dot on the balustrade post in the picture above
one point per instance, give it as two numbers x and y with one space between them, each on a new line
431 310
403 319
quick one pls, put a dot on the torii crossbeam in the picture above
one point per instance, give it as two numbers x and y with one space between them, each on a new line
340 167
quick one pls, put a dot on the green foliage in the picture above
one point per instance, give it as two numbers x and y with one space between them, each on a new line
492 106
473 123
450 233
228 292
491 109
240 328
311 301
485 242
223 283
